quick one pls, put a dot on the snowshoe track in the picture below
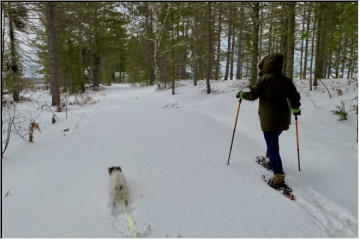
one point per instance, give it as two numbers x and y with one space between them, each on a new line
331 218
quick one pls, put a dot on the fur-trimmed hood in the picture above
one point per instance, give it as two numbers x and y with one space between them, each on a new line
274 90
271 64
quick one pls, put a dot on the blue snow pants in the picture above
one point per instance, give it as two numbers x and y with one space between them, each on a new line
273 151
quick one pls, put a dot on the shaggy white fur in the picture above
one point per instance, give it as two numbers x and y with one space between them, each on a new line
118 187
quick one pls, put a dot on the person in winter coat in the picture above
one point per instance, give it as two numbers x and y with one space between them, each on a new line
277 97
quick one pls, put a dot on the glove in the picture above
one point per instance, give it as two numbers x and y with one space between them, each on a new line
240 95
296 111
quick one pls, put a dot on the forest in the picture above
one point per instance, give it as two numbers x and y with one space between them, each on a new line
150 101
73 44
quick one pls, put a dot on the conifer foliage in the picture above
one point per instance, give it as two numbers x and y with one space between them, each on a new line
158 43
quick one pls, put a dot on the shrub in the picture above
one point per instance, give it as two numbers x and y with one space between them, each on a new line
340 112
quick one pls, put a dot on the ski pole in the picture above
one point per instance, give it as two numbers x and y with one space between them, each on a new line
232 139
297 140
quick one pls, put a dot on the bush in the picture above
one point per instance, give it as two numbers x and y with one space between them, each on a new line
340 112
339 92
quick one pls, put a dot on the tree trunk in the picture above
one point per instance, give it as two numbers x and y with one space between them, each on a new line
232 51
329 65
312 50
14 66
173 72
184 53
306 42
81 56
324 20
228 55
351 59
95 72
240 40
217 67
302 44
173 58
2 50
260 32
290 40
52 38
343 56
247 70
195 52
337 57
209 67
284 34
255 42
149 44
270 47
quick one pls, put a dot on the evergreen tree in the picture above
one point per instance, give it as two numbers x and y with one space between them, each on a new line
16 14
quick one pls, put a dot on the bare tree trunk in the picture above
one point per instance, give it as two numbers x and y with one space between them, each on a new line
351 59
343 57
290 40
217 67
173 71
260 32
307 42
255 41
14 66
324 20
240 40
95 71
149 44
284 34
337 57
208 75
329 60
173 58
195 53
247 70
312 50
228 55
51 30
2 49
302 43
270 47
184 52
232 51
81 55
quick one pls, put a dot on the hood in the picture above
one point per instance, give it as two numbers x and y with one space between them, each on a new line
271 64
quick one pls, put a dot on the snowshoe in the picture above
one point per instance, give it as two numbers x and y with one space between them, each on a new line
281 187
264 161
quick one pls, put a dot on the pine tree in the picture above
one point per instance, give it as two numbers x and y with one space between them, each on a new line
17 14
52 42
255 7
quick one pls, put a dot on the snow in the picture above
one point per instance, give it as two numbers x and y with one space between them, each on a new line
173 151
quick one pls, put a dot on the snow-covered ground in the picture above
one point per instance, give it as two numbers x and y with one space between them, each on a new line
173 151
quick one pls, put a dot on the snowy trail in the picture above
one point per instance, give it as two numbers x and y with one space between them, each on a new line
329 216
173 151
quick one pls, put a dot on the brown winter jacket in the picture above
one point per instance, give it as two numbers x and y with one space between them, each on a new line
274 91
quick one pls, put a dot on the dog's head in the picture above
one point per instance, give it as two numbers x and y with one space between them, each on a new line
114 168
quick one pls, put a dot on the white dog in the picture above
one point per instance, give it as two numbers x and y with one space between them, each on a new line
117 186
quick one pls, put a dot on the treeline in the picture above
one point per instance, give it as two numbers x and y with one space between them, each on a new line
160 42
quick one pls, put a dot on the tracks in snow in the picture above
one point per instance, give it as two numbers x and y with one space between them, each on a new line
328 216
